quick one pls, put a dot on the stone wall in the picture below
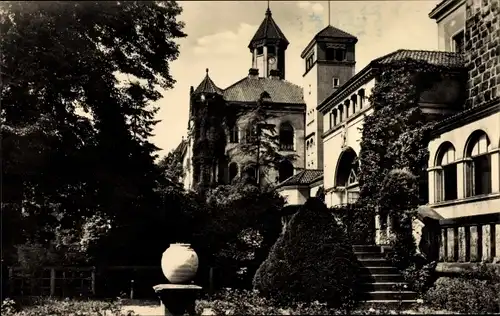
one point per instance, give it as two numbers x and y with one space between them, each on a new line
482 43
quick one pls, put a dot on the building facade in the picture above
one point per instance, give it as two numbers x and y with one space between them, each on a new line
284 103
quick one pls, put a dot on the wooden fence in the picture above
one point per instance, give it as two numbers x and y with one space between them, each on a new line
113 281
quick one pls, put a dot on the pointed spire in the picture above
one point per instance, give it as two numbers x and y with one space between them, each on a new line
208 86
269 32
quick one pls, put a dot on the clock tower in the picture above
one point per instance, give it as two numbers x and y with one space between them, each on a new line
268 47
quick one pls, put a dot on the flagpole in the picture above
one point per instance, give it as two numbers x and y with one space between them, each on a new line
329 21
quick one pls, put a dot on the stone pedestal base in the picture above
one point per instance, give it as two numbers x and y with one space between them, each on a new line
177 299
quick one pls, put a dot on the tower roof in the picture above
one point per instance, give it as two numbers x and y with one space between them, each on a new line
330 32
208 86
268 31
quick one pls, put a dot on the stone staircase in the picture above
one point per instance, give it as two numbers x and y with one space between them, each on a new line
381 281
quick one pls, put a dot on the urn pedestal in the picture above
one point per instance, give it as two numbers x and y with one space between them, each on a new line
179 264
177 299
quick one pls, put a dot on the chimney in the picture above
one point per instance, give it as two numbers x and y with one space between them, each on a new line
253 73
274 74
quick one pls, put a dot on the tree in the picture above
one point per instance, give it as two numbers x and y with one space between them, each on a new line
171 165
312 260
261 146
78 79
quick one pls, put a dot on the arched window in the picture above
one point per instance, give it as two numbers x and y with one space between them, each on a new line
446 175
361 94
477 165
233 171
286 136
251 172
285 170
354 101
341 113
347 174
234 134
346 104
251 133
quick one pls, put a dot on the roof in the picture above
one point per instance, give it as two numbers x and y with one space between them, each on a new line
436 58
444 7
332 31
181 148
268 29
305 177
467 115
250 89
329 32
208 86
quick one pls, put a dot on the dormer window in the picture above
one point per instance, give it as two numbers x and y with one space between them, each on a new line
458 42
336 82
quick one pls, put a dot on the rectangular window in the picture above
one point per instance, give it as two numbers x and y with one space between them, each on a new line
439 185
450 182
309 61
339 55
352 197
330 54
260 50
271 50
458 42
336 82
482 174
234 135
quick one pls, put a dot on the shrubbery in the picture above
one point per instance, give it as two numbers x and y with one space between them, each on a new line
50 307
357 222
234 302
477 291
311 261
463 295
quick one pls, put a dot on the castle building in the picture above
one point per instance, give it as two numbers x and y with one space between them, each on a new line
461 187
282 99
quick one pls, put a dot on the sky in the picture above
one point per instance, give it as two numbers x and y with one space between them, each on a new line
218 34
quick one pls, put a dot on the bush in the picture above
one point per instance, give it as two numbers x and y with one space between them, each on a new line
357 222
312 260
464 295
420 276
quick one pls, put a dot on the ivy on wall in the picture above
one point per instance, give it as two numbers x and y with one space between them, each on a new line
209 140
394 154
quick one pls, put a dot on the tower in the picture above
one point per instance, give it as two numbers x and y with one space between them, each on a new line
207 115
329 62
268 47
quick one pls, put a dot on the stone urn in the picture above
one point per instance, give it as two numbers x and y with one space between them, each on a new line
179 263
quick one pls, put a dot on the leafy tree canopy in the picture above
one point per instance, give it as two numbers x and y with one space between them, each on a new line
78 79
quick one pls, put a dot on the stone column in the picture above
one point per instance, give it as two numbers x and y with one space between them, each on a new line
431 177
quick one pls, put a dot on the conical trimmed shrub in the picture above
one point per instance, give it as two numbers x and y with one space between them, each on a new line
311 261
